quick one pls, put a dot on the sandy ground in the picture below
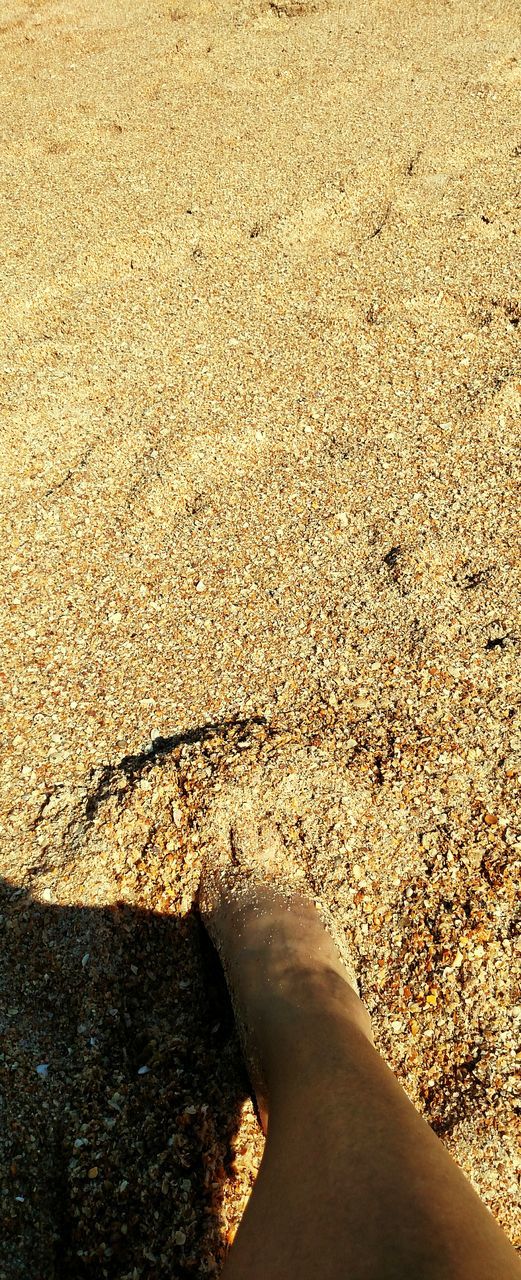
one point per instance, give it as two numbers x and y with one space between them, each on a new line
260 391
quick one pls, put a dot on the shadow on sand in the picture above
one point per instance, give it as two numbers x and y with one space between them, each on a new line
121 1092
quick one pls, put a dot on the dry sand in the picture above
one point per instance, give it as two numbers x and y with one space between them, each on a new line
260 391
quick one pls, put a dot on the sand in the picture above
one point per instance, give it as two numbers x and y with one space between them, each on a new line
260 391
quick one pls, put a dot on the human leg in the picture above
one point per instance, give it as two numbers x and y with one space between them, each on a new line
353 1182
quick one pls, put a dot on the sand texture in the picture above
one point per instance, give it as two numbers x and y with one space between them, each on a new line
260 389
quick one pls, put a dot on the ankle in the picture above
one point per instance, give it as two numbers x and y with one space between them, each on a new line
306 1049
304 1011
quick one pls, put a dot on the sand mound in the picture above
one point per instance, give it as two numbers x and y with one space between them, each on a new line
128 1049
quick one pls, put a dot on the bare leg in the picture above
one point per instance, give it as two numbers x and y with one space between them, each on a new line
353 1183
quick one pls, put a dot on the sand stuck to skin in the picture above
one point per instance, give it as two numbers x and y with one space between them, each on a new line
260 388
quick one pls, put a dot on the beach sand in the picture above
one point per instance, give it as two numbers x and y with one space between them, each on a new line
260 371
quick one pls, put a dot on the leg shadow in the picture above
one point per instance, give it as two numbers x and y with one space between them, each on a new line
121 1091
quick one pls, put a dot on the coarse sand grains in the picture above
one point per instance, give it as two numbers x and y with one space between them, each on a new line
260 391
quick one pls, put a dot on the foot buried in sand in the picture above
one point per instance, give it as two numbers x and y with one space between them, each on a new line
352 1180
282 963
